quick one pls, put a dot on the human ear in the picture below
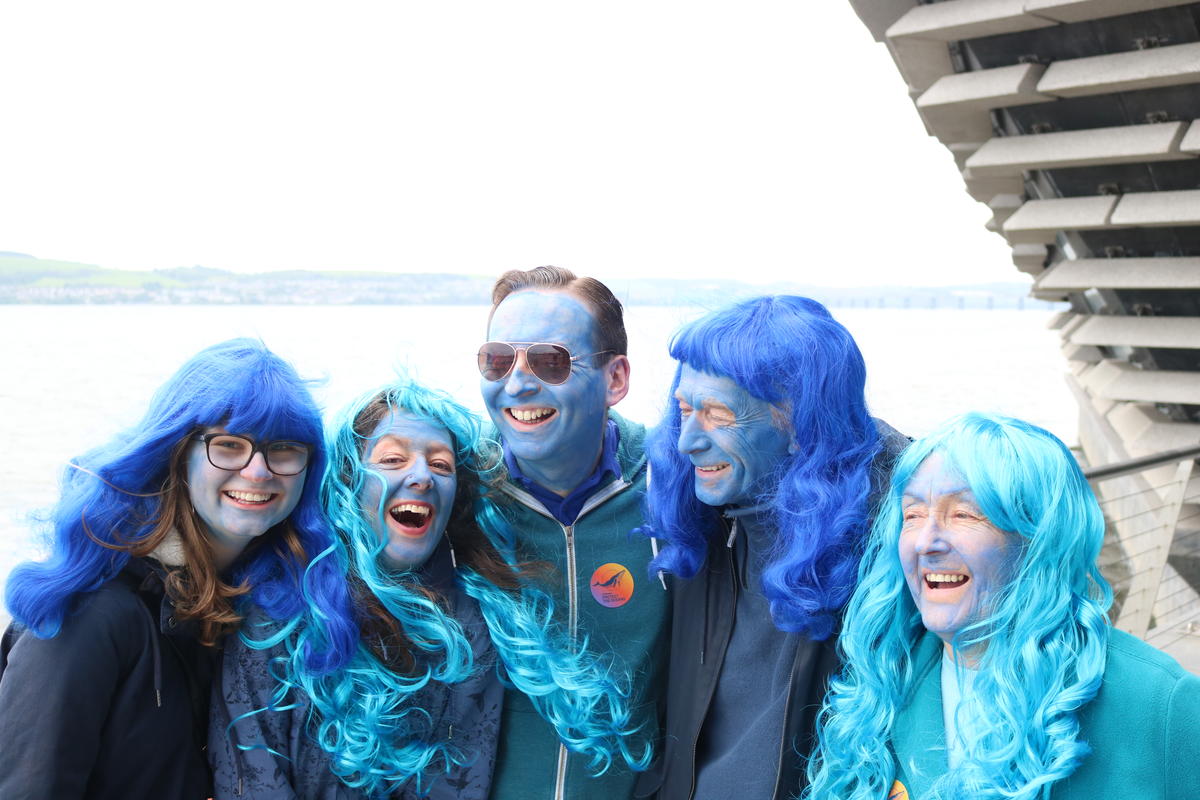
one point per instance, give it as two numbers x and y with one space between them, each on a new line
616 373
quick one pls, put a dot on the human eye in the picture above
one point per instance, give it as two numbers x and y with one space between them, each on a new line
285 448
445 466
685 410
913 513
391 461
721 415
230 443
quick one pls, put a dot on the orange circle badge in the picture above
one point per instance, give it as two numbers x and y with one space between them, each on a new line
898 792
612 585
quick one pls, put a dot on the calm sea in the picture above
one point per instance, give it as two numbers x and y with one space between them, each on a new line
72 376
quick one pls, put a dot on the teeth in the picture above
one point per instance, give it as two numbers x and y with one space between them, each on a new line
943 577
712 468
410 507
530 414
249 497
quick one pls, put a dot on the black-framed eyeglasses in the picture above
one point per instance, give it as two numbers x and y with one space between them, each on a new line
232 452
551 363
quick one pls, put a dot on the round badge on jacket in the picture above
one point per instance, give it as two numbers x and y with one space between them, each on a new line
612 585
898 792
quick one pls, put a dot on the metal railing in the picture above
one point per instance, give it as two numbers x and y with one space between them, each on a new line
1151 553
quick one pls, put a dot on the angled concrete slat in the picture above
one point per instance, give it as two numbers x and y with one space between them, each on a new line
984 89
1038 221
1122 72
956 107
1120 380
984 189
1029 258
1183 332
965 19
1121 273
1156 209
1120 145
920 62
1080 10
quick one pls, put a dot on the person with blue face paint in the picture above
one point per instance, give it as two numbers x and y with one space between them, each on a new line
414 711
553 367
158 538
980 661
763 474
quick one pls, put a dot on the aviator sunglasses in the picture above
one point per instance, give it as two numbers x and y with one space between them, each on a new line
550 363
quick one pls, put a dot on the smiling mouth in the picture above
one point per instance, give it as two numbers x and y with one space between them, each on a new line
249 499
711 469
531 417
939 581
412 519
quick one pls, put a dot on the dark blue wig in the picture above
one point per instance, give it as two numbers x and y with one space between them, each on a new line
124 498
787 351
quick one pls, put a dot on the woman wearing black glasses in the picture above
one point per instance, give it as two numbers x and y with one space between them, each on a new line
158 537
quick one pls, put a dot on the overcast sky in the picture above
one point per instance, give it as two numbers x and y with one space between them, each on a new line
760 140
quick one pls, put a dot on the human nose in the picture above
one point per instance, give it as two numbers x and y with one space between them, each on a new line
692 437
419 477
521 380
929 539
256 469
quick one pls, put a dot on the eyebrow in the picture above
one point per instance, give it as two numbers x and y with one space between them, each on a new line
963 490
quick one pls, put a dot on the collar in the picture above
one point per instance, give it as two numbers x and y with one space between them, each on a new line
566 509
170 552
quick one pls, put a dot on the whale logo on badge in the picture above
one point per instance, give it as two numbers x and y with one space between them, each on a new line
612 585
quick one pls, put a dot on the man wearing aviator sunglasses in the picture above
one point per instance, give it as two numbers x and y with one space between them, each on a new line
553 367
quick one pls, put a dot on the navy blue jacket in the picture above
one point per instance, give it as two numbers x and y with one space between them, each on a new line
466 714
112 708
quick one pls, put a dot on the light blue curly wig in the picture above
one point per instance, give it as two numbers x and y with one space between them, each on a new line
366 715
1043 640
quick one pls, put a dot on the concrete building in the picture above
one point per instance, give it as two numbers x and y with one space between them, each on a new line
1075 121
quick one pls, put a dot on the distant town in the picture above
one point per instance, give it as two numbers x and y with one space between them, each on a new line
25 279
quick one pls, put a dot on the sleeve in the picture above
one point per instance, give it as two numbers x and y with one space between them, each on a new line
242 732
1183 740
55 696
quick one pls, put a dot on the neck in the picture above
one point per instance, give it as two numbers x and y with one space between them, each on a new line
563 475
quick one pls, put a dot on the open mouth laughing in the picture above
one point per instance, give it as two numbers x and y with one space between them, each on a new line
711 470
411 518
530 417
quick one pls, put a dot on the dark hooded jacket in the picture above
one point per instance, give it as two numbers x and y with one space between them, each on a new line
791 674
114 707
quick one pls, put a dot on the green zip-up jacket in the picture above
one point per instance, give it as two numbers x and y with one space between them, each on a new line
1143 727
601 593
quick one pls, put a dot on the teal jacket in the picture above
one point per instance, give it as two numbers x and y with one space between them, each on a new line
1143 727
601 594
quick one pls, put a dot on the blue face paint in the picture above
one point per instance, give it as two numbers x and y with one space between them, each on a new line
238 506
555 432
954 559
733 439
409 494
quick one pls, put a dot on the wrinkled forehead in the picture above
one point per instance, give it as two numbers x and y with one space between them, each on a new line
699 386
420 433
534 315
937 477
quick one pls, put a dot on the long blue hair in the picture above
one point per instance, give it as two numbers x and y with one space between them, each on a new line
791 353
125 497
1043 639
367 716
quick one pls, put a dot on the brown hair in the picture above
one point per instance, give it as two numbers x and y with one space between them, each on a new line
610 315
196 589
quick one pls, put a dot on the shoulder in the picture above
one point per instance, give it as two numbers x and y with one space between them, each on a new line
892 441
1138 673
631 449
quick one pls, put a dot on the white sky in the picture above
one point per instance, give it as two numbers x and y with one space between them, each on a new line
765 140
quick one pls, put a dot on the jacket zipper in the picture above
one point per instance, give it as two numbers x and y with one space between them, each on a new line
529 501
696 741
787 705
